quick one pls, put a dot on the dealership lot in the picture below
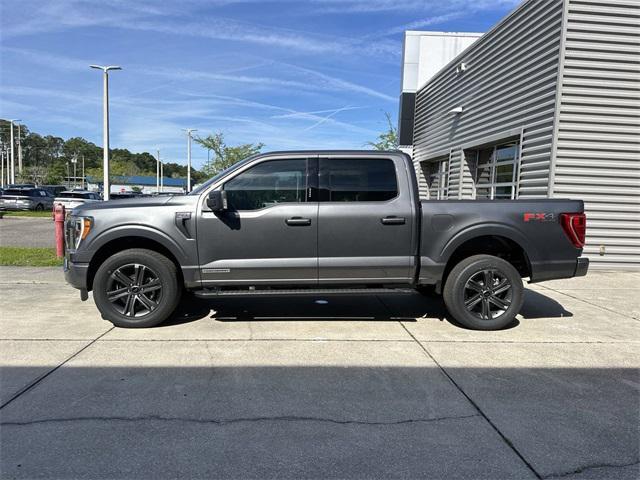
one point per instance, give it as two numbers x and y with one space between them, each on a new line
368 386
27 232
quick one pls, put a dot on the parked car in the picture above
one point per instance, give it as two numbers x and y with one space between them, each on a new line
319 222
26 199
72 199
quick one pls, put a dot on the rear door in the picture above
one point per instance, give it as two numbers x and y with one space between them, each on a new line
269 235
365 221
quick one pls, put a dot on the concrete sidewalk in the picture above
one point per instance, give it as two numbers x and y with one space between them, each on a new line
360 387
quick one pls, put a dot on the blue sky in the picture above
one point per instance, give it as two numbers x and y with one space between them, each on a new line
290 74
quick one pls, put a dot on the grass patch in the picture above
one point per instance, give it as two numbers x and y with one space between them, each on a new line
29 257
26 213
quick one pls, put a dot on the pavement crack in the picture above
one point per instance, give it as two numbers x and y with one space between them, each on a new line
230 421
35 382
477 408
591 467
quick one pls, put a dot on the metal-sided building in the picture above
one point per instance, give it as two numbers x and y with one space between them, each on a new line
545 104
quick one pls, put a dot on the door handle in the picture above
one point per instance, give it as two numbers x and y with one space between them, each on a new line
298 222
393 220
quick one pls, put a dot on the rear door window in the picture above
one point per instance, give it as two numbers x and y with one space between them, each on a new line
357 180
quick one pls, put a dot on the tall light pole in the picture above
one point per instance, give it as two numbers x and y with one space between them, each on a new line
189 131
74 160
1 165
13 154
19 152
158 171
105 127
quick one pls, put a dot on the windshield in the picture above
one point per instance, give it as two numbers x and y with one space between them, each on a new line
198 190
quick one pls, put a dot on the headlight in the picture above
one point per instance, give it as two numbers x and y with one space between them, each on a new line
80 228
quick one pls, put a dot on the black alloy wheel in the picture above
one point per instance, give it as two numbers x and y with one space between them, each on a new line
487 294
137 288
134 290
484 292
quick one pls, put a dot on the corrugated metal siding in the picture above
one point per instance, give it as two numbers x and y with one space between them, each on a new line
598 146
510 83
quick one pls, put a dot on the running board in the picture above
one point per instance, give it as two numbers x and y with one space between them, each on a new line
210 293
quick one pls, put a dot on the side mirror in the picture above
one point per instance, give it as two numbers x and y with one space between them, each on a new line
217 200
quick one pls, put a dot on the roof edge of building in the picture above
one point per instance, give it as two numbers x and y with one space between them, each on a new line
476 44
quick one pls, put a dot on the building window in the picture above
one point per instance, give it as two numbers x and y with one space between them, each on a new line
437 176
495 171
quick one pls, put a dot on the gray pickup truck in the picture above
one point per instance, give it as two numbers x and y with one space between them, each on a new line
319 222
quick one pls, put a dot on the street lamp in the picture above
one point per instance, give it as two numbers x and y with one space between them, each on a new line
158 172
13 154
189 131
105 126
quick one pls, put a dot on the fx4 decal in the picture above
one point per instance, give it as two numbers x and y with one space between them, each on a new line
539 217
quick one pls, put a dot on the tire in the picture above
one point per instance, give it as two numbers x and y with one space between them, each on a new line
476 306
136 288
39 207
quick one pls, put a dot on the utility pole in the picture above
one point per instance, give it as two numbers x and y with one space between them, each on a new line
74 160
158 172
1 165
105 126
83 177
13 154
189 131
161 176
19 152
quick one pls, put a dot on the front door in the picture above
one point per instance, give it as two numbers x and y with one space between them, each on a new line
269 234
365 222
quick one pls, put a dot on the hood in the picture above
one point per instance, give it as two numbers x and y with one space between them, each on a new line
145 202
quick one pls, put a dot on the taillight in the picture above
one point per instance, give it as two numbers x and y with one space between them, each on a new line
575 226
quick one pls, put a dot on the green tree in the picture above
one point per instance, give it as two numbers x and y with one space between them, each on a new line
223 155
387 140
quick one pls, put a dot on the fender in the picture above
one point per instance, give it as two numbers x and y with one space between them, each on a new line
132 230
486 229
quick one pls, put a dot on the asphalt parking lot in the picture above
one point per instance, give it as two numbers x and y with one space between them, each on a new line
27 232
358 387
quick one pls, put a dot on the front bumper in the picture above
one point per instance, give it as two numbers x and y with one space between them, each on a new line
582 266
76 274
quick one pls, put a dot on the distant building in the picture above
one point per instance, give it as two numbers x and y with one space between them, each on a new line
144 184
544 105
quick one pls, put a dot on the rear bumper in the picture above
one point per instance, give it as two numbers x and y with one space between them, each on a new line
582 266
75 274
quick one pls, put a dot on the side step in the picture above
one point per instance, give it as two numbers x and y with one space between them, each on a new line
210 293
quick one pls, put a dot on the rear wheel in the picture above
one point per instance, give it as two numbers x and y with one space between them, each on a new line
39 207
484 292
136 288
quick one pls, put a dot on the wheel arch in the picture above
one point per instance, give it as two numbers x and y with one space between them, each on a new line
498 244
115 245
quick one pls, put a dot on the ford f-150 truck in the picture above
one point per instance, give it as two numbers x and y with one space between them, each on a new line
319 222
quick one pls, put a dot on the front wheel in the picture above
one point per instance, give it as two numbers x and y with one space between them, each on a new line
39 207
484 292
136 288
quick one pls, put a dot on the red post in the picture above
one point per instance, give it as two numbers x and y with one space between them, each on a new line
58 218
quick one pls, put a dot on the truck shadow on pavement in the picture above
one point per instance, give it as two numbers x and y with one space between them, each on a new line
379 308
